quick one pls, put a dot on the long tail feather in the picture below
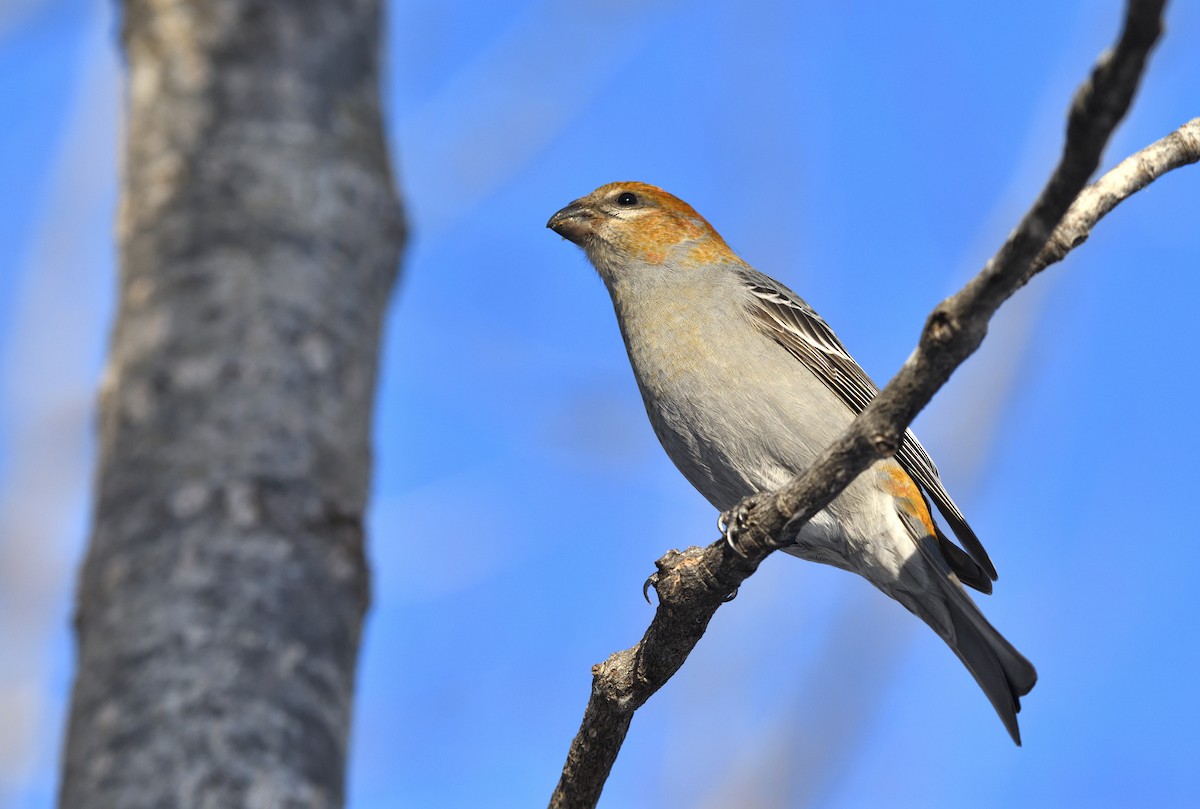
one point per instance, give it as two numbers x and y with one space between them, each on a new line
1001 671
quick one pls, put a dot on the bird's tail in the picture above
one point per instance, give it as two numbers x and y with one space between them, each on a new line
1001 671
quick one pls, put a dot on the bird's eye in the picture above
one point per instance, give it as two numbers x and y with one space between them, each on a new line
627 200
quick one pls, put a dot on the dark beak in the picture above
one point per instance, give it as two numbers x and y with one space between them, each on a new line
573 222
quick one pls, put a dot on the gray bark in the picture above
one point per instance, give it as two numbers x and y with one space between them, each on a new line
221 601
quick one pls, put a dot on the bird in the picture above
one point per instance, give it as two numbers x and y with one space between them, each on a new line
745 384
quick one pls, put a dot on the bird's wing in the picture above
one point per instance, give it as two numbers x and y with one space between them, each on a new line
788 320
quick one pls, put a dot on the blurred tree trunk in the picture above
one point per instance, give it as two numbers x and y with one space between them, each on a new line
221 602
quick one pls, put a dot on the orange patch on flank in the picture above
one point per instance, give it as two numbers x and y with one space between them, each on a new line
898 484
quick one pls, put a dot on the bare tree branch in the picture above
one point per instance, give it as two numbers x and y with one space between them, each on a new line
1180 148
693 584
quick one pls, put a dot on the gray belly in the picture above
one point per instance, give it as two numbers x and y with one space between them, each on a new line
755 434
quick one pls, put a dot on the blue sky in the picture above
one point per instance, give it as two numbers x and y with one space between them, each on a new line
872 156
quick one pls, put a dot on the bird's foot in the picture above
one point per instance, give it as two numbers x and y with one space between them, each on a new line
650 582
730 523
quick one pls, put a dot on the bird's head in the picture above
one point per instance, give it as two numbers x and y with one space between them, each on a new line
629 224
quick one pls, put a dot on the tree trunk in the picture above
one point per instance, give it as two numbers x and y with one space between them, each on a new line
220 605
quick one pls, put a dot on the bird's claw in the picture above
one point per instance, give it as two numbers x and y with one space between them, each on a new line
729 524
650 582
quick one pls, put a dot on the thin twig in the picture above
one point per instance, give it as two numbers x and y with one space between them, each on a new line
1180 148
692 584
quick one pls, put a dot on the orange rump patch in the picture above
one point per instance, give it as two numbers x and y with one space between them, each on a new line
899 485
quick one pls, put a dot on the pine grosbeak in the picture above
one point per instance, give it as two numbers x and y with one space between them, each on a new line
745 384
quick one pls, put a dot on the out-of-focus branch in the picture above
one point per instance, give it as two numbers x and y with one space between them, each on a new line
691 585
